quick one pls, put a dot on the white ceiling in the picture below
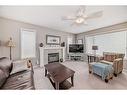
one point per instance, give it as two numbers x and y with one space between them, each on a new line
50 16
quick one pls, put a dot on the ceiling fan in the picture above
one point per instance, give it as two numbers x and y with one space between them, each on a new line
81 17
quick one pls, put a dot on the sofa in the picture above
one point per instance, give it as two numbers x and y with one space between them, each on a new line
115 59
16 75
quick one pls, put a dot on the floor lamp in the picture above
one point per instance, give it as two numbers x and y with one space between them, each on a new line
10 44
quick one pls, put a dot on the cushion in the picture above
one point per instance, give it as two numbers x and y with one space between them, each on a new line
109 57
21 80
19 66
6 65
106 62
3 77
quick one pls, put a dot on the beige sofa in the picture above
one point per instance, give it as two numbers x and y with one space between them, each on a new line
116 59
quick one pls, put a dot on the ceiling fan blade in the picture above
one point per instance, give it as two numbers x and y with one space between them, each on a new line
95 15
81 11
68 18
75 24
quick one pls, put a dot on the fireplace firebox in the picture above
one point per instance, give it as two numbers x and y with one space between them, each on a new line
53 57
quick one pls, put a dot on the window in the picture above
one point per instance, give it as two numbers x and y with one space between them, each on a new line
111 42
28 43
69 41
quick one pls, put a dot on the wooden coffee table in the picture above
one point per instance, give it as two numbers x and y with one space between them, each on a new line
58 75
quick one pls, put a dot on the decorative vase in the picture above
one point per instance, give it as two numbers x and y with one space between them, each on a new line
41 44
63 44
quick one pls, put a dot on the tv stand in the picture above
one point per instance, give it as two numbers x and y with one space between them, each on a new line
76 56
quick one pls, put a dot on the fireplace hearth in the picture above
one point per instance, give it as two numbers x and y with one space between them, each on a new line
53 57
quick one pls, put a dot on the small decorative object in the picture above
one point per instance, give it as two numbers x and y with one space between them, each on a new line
10 44
63 44
52 40
41 44
29 64
61 60
94 47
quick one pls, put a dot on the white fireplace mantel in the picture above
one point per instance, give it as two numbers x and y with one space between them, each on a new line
42 53
52 47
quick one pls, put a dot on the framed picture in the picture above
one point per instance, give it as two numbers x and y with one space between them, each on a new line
80 41
52 40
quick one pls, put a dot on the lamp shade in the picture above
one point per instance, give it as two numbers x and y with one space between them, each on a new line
94 47
10 43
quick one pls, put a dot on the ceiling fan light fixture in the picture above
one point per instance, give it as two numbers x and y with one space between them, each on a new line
80 20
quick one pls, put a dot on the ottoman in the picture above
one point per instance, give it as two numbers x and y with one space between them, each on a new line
101 69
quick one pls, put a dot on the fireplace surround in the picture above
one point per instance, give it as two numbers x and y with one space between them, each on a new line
44 51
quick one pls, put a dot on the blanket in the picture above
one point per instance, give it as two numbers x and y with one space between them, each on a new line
102 69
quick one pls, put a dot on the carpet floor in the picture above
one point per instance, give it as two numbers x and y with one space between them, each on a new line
82 79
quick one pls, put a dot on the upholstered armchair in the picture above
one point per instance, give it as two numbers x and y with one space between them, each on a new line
115 59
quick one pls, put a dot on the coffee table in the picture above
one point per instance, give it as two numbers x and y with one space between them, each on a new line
58 75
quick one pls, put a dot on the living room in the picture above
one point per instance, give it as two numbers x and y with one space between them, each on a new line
76 39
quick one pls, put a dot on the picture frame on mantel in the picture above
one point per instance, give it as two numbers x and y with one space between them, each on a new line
53 40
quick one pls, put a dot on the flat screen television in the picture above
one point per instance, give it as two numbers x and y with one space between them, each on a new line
76 48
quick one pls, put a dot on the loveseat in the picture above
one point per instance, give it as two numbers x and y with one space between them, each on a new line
16 74
115 59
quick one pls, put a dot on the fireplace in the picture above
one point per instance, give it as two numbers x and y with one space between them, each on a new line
53 57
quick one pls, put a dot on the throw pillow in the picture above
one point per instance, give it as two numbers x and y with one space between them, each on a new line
19 66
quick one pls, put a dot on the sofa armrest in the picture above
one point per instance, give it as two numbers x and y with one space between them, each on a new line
118 59
118 65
